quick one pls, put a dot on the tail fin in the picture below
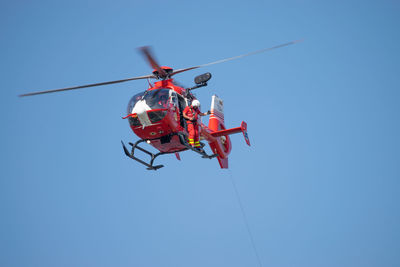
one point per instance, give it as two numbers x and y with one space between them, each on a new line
217 123
217 109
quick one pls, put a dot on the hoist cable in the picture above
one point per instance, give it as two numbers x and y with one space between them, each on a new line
245 218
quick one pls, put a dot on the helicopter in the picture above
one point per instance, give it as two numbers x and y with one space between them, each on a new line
156 114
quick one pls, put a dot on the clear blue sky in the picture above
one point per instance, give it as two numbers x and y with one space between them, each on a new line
319 185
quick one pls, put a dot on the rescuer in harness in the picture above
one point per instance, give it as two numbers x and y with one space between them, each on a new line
191 114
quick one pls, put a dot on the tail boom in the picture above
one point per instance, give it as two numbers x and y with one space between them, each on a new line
216 134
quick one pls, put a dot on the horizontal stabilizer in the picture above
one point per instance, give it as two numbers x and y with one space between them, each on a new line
242 128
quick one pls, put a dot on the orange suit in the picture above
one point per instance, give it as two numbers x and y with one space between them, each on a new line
192 125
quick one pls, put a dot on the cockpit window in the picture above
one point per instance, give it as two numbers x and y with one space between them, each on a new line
133 101
155 99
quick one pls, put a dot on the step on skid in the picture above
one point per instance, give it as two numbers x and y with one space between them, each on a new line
203 154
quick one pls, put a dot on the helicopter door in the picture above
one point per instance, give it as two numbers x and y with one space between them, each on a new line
182 106
174 103
173 98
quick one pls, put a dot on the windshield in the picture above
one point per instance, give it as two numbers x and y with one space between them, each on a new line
155 99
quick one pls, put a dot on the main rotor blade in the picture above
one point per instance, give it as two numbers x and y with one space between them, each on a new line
150 58
88 85
236 57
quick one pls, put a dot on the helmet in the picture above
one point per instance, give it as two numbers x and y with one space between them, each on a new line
196 103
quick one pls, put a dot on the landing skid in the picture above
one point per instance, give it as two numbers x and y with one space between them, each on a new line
153 156
132 155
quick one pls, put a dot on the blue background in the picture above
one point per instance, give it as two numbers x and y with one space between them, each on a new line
319 185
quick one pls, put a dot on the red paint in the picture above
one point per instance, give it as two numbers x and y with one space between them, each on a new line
215 133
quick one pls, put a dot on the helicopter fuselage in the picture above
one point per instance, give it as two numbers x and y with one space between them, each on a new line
155 116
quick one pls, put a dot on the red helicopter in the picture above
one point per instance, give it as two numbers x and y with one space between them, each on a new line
155 115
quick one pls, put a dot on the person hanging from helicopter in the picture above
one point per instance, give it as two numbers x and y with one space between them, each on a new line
191 114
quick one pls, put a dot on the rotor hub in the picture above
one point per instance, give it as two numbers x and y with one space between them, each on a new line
167 70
